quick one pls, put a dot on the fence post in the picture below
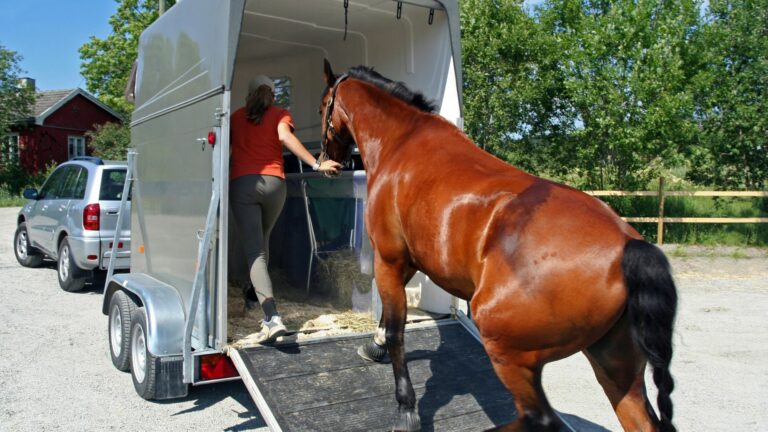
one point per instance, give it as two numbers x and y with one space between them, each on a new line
660 232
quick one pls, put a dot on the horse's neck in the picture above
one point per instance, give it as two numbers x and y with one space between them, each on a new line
378 127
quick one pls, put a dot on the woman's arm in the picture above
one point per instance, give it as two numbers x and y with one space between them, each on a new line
292 143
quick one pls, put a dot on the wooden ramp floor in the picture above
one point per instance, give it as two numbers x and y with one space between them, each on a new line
324 386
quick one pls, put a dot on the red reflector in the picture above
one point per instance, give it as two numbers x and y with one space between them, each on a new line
91 215
119 245
216 366
211 137
92 257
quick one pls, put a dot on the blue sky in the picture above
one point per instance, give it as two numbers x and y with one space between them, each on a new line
48 33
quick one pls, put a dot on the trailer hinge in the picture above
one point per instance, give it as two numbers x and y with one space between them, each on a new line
218 115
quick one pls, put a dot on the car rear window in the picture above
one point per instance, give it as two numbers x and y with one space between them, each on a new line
112 181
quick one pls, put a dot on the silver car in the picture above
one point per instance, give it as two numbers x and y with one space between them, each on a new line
72 220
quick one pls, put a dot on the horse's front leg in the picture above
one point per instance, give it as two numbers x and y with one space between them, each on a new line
391 276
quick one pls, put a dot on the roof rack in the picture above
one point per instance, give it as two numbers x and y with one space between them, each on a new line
93 159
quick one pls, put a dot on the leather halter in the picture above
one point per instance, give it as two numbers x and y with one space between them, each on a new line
329 128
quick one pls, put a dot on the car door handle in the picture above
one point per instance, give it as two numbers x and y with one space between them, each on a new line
113 212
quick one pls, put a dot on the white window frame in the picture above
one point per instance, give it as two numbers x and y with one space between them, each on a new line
11 148
75 146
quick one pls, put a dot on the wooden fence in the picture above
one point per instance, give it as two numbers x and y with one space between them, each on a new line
660 220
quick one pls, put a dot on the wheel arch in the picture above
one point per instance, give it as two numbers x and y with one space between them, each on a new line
161 305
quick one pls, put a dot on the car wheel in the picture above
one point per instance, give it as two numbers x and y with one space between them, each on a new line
70 275
121 308
143 363
26 255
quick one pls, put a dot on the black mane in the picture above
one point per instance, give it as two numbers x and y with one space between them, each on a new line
397 89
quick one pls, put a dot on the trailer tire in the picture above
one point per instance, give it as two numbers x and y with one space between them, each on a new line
71 277
26 255
121 308
143 363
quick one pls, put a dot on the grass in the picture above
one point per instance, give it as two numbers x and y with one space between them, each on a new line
9 200
740 234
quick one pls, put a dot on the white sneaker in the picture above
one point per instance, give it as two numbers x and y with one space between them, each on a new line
270 330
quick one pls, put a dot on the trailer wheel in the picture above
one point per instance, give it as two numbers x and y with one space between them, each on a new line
143 363
26 255
121 308
71 277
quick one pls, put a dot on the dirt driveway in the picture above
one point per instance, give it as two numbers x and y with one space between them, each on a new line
55 372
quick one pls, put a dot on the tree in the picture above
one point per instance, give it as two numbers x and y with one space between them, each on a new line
110 141
15 101
510 83
15 105
106 63
626 78
732 96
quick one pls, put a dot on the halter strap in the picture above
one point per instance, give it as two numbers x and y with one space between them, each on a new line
329 125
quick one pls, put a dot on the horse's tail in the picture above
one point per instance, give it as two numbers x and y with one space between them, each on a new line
652 305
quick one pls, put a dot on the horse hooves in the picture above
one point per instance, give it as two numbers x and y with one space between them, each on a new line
407 422
372 352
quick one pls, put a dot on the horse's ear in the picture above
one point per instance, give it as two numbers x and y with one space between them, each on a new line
330 78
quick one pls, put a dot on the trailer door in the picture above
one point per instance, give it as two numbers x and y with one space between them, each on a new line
184 70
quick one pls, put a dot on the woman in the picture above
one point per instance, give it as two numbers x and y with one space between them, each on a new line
257 185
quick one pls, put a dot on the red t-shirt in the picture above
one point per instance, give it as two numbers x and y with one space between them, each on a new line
256 148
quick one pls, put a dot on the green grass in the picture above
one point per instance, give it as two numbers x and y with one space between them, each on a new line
9 200
734 234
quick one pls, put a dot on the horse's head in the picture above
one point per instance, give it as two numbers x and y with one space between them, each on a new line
337 141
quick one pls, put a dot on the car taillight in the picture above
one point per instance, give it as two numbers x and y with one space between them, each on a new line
216 366
91 216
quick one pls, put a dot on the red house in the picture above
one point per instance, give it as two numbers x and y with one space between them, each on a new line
56 131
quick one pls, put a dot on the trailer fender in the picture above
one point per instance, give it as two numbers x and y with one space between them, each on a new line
162 306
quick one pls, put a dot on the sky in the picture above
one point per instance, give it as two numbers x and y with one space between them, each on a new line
48 33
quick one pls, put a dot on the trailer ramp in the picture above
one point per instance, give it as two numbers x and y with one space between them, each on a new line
323 385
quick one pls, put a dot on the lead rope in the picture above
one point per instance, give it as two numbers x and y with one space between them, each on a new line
346 13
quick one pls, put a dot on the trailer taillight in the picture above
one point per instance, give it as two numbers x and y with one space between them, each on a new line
91 216
216 366
212 138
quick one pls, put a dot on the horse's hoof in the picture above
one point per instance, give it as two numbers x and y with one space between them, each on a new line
408 421
372 352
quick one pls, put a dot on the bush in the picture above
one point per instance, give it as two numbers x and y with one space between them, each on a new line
110 141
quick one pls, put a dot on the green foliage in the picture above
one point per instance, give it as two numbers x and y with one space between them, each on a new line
514 85
110 141
15 102
730 90
608 95
106 63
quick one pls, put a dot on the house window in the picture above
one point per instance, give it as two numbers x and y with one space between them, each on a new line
76 146
11 147
283 92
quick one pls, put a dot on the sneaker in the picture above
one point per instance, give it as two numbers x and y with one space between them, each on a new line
270 330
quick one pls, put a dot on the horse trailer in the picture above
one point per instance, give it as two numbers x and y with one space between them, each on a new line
173 317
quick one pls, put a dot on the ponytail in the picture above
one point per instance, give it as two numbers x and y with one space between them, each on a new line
257 103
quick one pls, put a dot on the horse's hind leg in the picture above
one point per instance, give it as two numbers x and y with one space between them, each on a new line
620 367
524 381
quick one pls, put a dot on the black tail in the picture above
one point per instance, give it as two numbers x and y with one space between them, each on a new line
652 306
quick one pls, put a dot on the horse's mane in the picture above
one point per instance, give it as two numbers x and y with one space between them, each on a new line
397 89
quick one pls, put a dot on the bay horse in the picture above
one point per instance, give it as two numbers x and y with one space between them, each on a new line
548 270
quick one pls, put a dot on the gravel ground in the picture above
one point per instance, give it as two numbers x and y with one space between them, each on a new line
55 371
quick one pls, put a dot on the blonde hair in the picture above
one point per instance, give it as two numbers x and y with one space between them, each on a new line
257 102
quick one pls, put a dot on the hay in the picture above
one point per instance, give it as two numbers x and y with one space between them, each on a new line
303 319
338 275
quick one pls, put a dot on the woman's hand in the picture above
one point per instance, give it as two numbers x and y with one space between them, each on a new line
330 167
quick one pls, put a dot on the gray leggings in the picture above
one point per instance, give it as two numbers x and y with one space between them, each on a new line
257 201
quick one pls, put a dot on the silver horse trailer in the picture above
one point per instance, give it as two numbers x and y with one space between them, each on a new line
170 316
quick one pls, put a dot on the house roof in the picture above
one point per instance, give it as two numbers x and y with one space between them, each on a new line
48 101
